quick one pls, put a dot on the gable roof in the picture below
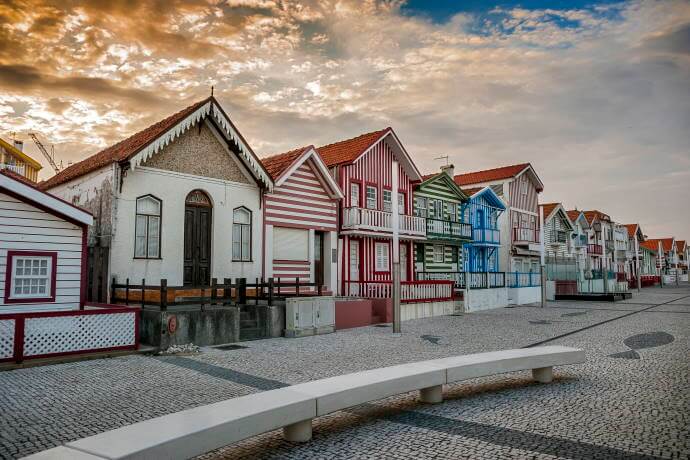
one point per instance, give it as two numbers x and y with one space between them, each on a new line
634 229
349 151
591 216
281 165
650 245
140 146
471 191
666 243
25 190
551 209
489 194
447 181
501 173
19 154
680 246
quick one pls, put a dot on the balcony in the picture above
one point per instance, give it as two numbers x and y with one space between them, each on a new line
594 249
478 280
609 245
436 228
525 235
19 169
362 219
486 236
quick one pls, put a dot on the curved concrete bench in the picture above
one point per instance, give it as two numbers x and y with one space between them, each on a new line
196 431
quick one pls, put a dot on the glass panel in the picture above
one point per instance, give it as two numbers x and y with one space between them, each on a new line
148 205
401 203
241 216
371 197
140 237
153 237
246 236
387 200
354 195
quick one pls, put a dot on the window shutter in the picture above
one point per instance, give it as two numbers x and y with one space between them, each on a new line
290 244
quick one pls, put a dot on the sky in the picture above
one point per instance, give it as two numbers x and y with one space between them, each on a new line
596 95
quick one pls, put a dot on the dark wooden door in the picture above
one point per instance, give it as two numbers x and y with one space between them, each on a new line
318 258
197 245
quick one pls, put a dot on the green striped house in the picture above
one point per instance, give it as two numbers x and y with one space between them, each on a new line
442 203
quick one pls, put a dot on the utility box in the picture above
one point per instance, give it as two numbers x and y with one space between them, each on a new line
306 316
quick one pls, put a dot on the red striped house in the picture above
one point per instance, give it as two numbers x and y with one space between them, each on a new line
301 219
362 167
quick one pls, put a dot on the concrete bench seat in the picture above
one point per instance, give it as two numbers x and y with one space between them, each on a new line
205 428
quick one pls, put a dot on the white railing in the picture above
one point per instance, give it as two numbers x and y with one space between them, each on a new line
486 235
447 228
410 291
97 328
19 169
373 219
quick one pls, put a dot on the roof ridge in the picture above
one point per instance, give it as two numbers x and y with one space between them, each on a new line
353 138
494 169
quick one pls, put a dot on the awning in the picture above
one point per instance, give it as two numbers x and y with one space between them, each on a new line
525 252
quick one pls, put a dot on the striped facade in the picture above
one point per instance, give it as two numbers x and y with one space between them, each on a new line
557 228
524 212
373 168
301 202
484 209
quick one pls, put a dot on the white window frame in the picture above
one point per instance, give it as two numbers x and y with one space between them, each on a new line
355 194
142 223
452 212
387 203
371 202
401 203
523 185
439 258
241 237
46 264
382 263
420 205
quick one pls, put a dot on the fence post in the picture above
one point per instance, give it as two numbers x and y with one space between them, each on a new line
227 291
318 289
164 294
214 293
143 292
297 286
127 292
270 291
112 290
256 292
242 291
19 339
278 286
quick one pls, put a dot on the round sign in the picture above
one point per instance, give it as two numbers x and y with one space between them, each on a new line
172 324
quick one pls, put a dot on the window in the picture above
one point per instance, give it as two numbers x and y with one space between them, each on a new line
438 209
438 253
523 185
371 197
452 212
420 207
354 194
30 276
382 257
387 200
241 235
401 203
147 228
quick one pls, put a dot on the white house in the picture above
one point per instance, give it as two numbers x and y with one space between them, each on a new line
42 249
179 200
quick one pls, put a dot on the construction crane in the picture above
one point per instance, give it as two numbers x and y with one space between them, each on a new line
49 156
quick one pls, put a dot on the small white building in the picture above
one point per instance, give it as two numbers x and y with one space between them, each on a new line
42 249
179 200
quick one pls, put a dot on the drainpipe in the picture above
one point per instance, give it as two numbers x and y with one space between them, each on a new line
395 221
637 263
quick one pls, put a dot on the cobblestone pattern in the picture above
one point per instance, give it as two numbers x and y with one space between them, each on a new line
602 409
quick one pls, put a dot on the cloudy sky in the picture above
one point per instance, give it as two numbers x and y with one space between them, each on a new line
595 95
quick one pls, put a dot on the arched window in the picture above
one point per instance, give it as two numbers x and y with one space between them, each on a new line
147 239
241 234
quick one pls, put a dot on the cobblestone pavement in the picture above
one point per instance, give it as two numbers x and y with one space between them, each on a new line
614 406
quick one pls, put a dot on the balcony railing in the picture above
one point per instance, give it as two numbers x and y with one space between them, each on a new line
525 235
486 235
410 291
478 280
381 221
447 229
19 169
594 249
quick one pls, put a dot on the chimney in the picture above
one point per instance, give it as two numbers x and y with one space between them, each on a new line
450 169
19 145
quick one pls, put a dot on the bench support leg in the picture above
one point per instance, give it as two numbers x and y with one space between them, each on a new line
431 395
298 432
543 374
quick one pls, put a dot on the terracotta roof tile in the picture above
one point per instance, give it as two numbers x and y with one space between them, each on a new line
666 243
18 177
652 245
471 191
123 150
487 175
277 164
349 150
548 208
573 214
632 228
591 215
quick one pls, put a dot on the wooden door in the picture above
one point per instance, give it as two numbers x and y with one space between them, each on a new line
197 239
318 258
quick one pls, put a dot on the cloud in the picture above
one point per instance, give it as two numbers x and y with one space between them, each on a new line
596 98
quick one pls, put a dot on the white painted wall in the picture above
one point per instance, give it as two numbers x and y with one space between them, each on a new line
524 295
24 227
486 299
172 188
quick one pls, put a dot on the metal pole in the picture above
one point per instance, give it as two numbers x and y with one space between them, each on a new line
660 263
395 221
604 263
637 264
542 274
